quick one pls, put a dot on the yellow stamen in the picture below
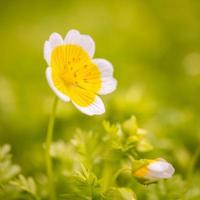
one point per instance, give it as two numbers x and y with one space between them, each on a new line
74 74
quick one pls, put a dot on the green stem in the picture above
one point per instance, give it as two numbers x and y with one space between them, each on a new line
48 149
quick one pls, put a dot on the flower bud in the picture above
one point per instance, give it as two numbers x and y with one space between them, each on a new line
154 170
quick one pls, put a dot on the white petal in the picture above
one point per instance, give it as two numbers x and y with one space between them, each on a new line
51 84
109 84
72 36
161 169
104 66
158 166
55 40
169 172
96 108
47 52
85 41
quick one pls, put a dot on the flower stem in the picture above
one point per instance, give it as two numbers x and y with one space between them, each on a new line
49 137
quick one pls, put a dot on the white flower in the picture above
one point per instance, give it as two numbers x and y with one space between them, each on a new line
73 74
155 170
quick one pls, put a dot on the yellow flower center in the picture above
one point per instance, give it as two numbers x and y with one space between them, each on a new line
74 74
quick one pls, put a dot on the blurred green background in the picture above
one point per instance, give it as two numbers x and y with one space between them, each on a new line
154 47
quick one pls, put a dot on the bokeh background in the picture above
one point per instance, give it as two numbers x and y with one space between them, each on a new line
154 47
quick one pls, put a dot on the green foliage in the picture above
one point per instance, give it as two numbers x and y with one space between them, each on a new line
120 194
101 163
97 165
85 186
11 186
175 188
127 139
25 184
7 170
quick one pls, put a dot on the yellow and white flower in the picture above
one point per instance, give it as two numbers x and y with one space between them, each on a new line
73 74
154 170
